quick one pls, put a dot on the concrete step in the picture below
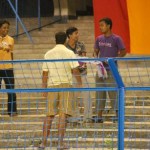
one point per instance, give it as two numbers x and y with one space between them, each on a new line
18 135
30 46
41 101
50 32
128 108
50 40
30 23
81 132
43 50
128 72
37 117
108 124
144 110
83 142
78 24
33 97
31 51
28 56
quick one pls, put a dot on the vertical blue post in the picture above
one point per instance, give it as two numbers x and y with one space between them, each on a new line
39 14
121 99
24 28
17 29
121 119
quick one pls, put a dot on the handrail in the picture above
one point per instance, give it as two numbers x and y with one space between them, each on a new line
21 22
121 98
120 88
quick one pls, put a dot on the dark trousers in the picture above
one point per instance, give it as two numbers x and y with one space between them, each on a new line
8 77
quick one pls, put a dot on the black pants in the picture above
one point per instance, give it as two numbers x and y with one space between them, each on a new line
8 77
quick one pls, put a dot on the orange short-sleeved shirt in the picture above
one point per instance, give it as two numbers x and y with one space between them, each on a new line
6 55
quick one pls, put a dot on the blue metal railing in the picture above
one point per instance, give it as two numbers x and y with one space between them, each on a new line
15 8
121 95
121 88
19 19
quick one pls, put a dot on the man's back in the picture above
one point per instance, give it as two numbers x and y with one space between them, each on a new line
59 72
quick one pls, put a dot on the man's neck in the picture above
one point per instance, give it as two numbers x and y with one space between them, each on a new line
2 35
107 34
71 43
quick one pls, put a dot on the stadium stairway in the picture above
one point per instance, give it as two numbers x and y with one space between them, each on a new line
25 130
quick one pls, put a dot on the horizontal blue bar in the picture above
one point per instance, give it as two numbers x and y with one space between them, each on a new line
137 88
57 90
73 89
132 58
53 60
65 60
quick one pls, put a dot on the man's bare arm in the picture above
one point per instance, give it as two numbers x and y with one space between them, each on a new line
95 53
77 75
44 81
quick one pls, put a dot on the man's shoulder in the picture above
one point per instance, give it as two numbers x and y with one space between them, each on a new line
100 36
80 43
48 52
62 50
9 37
115 36
68 51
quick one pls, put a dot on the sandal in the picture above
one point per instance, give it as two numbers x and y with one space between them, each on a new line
41 147
95 119
62 147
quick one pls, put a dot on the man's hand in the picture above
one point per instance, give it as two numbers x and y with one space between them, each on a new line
44 94
44 82
1 47
7 48
122 53
77 75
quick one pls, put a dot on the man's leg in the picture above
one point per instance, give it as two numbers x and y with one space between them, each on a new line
113 96
51 112
100 98
75 102
62 124
10 84
65 110
114 101
46 129
86 100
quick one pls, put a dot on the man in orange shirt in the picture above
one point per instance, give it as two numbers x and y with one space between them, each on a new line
6 69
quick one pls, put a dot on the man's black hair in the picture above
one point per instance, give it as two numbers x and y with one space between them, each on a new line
108 21
60 37
3 22
70 30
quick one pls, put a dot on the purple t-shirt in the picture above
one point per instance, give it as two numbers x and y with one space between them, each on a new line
109 46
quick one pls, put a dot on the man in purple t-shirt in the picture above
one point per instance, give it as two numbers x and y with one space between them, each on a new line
107 45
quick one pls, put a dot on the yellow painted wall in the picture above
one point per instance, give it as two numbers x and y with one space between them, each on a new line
139 26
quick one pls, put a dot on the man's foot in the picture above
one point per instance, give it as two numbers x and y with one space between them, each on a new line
41 147
75 122
14 114
88 120
96 119
114 120
61 147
